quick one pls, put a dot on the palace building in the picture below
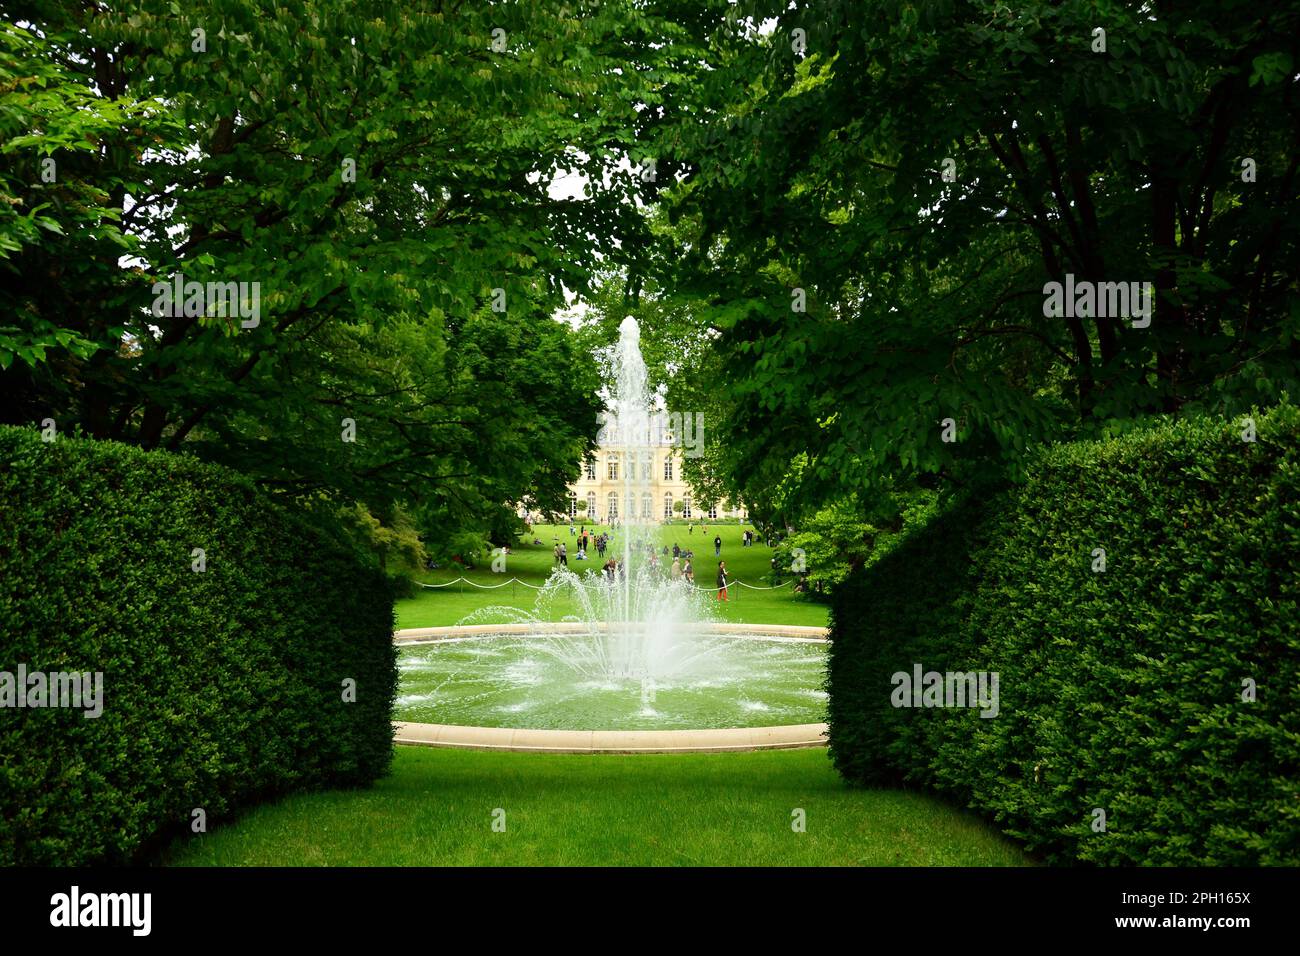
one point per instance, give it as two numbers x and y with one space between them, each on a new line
660 486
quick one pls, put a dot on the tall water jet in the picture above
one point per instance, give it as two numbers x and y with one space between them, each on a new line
638 618
631 424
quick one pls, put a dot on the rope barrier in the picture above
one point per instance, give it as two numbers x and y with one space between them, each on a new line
484 587
538 587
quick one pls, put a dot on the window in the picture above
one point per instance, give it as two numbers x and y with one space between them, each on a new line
612 472
668 468
686 507
612 506
713 511
647 506
591 506
668 506
591 469
647 466
573 504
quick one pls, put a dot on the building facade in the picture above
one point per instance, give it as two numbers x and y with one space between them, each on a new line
659 484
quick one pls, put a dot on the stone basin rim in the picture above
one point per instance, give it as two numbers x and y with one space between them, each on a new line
518 740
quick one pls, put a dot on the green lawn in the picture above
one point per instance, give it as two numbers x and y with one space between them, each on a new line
436 808
533 563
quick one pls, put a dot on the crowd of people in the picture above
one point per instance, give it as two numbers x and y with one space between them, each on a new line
584 541
681 568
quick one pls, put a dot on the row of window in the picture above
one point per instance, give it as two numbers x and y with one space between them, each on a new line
612 463
647 506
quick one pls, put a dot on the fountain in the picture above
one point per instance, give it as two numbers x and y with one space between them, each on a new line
640 619
634 649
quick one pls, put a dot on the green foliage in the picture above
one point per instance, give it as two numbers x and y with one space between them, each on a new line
376 291
220 688
838 538
1120 689
394 545
879 625
825 172
56 197
459 549
830 544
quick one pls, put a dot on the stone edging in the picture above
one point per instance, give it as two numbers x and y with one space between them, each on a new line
731 739
722 740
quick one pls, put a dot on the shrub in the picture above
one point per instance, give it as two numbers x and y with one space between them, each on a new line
1120 690
839 537
221 688
828 546
908 605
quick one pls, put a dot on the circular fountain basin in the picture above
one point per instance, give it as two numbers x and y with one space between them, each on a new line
518 687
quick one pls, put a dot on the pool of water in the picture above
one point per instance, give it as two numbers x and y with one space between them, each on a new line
532 681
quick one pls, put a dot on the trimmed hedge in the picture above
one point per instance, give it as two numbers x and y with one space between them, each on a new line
221 688
1120 690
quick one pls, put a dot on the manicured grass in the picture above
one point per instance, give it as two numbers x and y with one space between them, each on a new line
436 809
534 563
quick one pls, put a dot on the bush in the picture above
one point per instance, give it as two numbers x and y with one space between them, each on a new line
908 605
1120 690
827 546
462 548
220 688
839 537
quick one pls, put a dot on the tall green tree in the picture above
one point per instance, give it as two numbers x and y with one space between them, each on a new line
381 171
876 195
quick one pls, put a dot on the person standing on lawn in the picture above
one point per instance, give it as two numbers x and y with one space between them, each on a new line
717 545
722 580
